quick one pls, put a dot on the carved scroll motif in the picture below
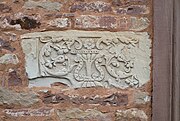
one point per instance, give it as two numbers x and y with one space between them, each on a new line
87 61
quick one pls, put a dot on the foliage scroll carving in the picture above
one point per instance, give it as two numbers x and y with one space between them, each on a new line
88 59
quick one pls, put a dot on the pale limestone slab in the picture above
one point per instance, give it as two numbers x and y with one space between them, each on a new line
87 58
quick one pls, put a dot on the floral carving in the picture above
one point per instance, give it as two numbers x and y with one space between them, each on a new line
89 44
92 59
86 61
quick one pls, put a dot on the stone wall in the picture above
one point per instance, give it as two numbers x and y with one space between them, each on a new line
75 60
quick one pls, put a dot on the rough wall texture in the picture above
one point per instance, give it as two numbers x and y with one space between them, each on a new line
75 60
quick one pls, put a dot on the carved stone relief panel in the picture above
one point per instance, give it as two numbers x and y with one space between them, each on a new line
87 58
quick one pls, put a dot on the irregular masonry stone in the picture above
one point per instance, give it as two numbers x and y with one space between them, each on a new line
9 59
29 112
116 99
60 15
87 59
60 22
99 6
139 1
12 36
96 6
22 15
133 10
4 24
6 45
79 114
117 2
11 98
52 6
138 24
141 97
131 115
127 2
111 22
4 8
19 21
14 79
26 22
91 22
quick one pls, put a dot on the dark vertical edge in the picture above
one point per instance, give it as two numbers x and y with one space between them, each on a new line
162 60
176 64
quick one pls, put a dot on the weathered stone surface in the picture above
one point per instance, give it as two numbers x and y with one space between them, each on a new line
52 6
29 112
19 22
131 115
91 22
86 59
9 59
117 2
107 22
78 114
111 22
133 10
133 23
115 99
26 23
15 1
5 23
99 6
138 24
6 45
12 36
14 79
141 97
127 2
96 6
60 22
60 15
139 1
10 98
4 8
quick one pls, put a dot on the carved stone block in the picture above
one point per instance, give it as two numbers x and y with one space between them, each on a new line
87 58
